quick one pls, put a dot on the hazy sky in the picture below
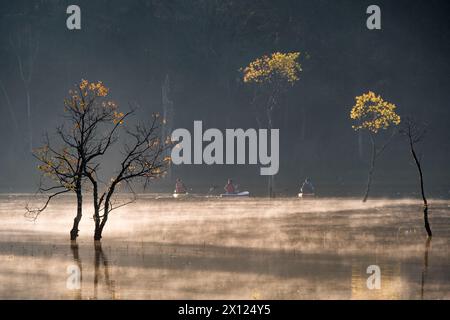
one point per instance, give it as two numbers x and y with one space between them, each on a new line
200 46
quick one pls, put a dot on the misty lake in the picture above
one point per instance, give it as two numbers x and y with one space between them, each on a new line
212 248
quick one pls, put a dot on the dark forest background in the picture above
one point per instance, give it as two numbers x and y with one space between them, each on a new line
194 49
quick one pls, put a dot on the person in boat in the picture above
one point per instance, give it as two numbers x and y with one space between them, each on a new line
180 187
229 187
307 187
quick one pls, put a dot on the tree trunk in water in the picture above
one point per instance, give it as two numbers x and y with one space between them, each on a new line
371 169
425 202
76 221
427 224
100 224
98 229
98 232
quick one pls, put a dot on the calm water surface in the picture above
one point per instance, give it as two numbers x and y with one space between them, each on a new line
210 248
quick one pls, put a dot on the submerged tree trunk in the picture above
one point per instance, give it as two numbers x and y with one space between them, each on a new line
97 219
425 202
98 232
100 222
77 219
426 223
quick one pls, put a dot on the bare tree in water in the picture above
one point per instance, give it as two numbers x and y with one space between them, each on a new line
88 131
414 133
143 160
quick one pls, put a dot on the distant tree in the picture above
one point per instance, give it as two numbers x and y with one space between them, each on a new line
168 114
12 115
89 130
271 77
25 44
374 114
414 133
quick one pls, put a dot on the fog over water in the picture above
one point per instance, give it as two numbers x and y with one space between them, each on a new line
217 248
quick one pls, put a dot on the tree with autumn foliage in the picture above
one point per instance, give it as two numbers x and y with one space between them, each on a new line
88 133
63 160
271 76
373 114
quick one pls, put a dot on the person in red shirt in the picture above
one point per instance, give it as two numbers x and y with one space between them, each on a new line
230 188
179 186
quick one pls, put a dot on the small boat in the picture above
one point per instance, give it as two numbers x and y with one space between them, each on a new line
306 195
237 194
180 195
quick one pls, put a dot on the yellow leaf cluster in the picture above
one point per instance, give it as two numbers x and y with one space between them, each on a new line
281 66
97 89
373 113
118 117
83 84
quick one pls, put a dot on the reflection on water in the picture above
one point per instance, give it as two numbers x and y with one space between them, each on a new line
391 282
220 249
425 267
100 257
77 260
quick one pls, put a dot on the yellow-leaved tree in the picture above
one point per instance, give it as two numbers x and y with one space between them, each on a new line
373 114
89 130
271 76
